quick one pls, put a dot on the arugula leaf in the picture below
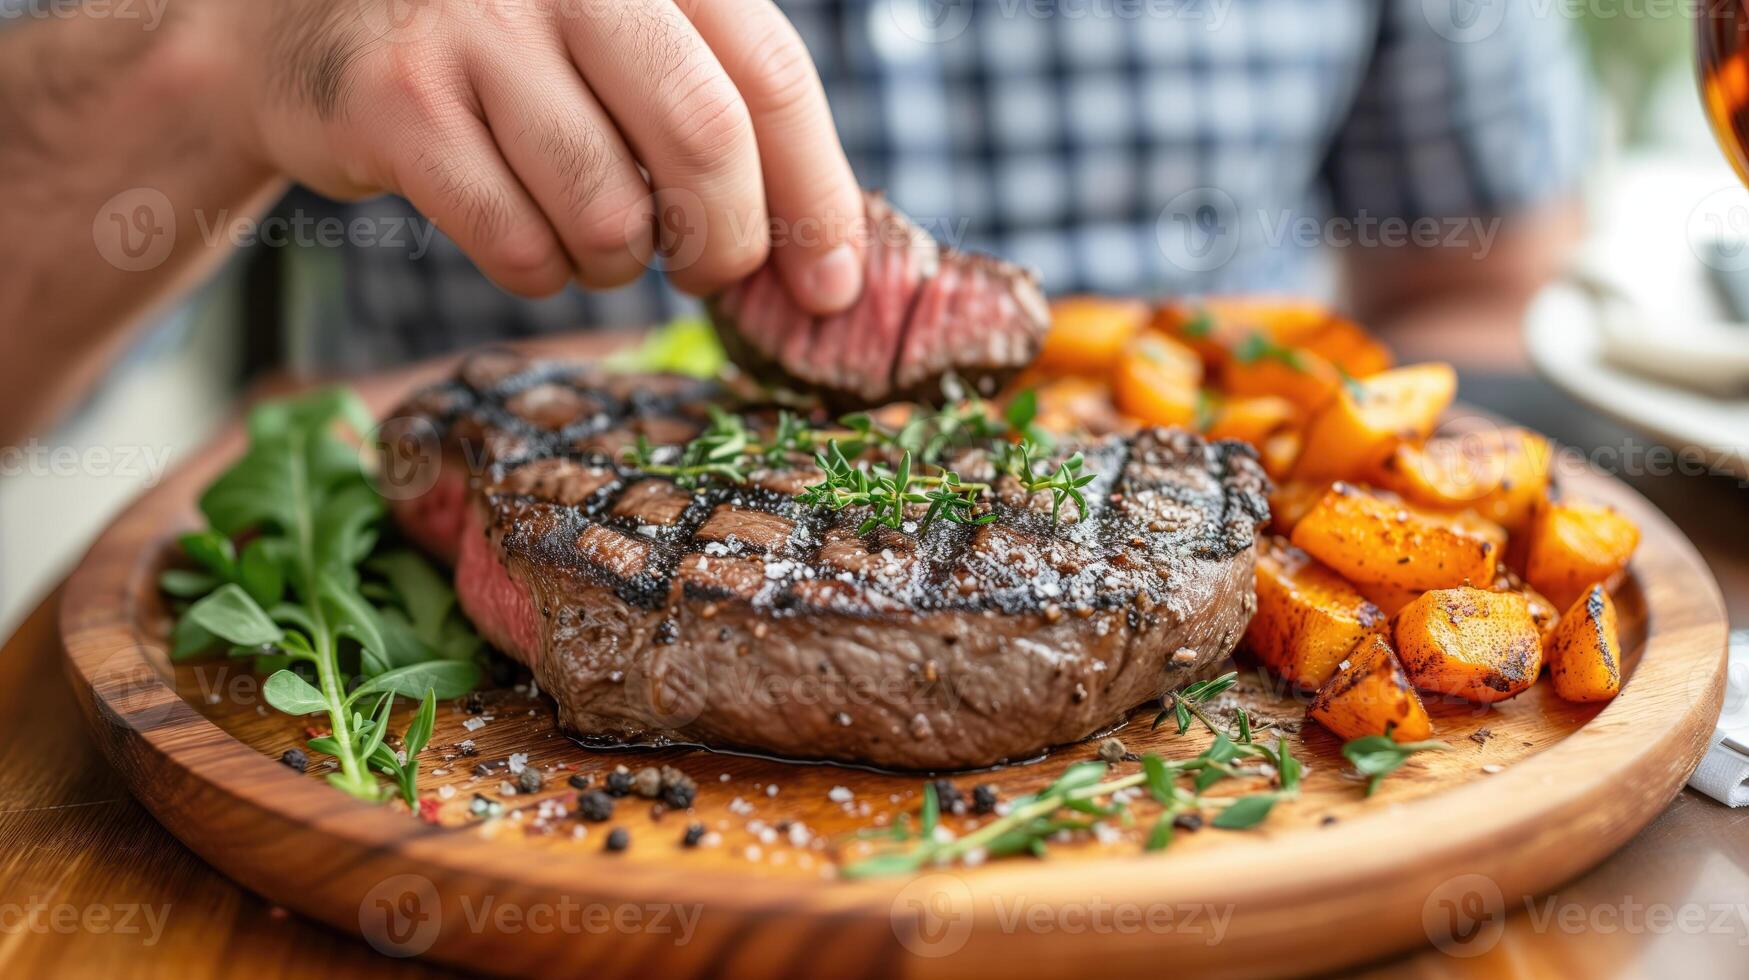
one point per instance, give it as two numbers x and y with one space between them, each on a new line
189 639
426 597
229 614
259 571
443 678
289 693
184 584
212 551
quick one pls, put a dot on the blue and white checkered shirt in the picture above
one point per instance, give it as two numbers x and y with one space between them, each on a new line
1128 146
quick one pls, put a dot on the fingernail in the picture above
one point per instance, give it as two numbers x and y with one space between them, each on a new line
834 281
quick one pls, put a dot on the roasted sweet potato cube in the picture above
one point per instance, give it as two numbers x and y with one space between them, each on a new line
1542 611
1380 542
1292 500
1158 380
1216 327
1357 430
1389 598
1088 333
1252 420
1573 545
1369 694
1584 651
1500 474
1308 617
1349 347
1471 643
1074 403
1278 453
1260 368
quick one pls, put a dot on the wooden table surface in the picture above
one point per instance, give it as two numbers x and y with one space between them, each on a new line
91 885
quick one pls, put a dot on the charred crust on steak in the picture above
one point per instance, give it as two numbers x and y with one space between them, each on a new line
984 643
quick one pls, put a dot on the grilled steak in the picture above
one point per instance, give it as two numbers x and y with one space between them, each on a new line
925 311
734 615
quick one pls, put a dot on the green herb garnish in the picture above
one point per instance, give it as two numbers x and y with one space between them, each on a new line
1032 820
1258 347
1377 756
295 599
1063 484
1187 704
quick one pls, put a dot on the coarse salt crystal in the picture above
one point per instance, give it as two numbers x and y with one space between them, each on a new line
475 723
518 762
840 794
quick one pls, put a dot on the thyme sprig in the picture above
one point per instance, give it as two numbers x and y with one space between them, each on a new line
728 451
888 492
1186 704
1063 484
1067 803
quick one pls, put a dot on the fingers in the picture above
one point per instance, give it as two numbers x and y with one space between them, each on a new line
572 161
816 205
686 122
428 146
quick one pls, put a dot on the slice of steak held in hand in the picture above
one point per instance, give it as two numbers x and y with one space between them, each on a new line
925 311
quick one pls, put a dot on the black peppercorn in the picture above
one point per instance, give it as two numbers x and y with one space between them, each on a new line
949 797
618 839
983 798
595 806
529 780
580 780
296 759
1188 821
619 783
679 795
694 834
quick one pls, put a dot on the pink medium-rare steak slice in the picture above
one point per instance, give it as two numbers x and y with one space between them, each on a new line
749 620
926 311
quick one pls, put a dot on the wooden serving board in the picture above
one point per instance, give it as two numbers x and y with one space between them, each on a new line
1533 792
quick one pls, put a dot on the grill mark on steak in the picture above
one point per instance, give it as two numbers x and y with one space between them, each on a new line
972 645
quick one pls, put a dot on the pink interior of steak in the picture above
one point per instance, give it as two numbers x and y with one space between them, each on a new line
924 311
500 610
434 519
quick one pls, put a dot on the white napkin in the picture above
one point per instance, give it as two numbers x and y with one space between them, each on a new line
1723 773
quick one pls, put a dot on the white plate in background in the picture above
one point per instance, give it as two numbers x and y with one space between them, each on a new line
1564 335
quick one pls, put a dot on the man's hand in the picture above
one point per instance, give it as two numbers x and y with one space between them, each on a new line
561 139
